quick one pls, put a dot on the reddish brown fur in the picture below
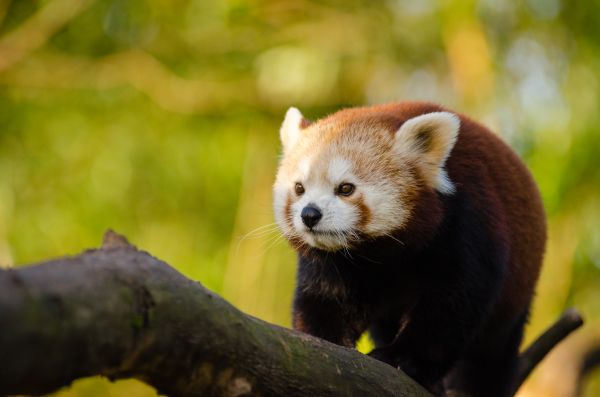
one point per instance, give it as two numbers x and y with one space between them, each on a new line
517 213
463 274
365 212
507 184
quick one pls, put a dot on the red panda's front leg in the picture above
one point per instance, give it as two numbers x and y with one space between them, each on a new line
440 326
329 319
428 347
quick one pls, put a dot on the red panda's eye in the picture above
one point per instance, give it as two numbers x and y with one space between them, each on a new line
299 189
345 189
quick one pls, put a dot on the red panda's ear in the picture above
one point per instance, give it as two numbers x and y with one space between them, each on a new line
291 129
428 139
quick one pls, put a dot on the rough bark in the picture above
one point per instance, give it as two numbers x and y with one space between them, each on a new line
121 313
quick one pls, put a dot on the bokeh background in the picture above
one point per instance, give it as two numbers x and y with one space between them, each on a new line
159 118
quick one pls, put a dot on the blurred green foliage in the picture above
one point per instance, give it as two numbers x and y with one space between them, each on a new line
159 118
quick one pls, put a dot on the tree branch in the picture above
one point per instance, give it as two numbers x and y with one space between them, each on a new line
136 68
121 313
38 29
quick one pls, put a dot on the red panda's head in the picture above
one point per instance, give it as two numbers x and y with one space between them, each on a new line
355 175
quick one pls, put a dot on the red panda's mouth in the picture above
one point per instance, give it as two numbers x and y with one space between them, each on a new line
328 240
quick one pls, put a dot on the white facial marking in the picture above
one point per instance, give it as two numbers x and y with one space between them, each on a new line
327 155
387 212
339 169
319 179
303 169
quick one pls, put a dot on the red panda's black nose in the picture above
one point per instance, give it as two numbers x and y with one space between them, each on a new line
310 215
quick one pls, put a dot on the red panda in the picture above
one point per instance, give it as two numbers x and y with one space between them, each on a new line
419 225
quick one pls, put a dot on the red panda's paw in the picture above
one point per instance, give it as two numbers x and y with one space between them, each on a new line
386 355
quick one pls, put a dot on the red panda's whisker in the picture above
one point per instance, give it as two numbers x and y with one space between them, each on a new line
260 231
393 238
273 242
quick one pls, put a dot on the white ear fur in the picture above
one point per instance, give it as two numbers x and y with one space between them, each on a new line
291 128
429 138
